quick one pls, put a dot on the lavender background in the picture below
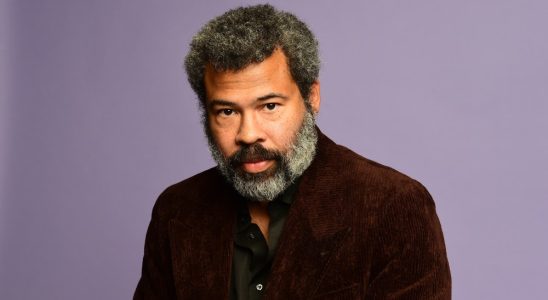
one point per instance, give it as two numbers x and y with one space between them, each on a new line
96 118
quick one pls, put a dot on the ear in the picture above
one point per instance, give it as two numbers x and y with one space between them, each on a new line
314 97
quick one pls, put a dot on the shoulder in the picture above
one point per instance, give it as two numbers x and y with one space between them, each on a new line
187 192
366 191
375 175
388 202
366 177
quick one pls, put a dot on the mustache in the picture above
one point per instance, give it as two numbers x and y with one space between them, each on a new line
253 153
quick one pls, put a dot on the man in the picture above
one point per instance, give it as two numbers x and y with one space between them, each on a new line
287 213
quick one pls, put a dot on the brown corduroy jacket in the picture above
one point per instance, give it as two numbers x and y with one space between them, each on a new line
356 230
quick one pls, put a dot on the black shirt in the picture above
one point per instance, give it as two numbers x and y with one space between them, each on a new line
253 256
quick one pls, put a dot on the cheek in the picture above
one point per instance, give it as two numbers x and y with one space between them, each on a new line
284 133
218 131
224 140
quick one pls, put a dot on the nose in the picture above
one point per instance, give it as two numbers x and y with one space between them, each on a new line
250 131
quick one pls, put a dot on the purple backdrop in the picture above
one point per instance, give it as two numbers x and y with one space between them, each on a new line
97 118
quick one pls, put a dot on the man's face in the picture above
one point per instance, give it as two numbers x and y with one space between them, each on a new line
260 131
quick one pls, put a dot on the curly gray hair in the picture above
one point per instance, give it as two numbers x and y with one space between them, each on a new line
248 35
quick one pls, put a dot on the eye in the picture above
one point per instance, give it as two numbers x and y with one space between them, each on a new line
271 106
226 112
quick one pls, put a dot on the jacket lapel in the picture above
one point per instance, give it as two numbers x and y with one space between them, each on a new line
314 230
201 240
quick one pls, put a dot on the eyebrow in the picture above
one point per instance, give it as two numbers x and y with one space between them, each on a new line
221 102
270 96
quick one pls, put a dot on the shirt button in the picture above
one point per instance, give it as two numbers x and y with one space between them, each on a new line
251 236
259 287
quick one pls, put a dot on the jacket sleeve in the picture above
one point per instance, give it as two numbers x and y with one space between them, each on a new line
412 260
156 280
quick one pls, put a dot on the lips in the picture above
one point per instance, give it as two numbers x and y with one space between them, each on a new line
257 166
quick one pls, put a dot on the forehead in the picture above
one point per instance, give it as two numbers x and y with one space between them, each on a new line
270 75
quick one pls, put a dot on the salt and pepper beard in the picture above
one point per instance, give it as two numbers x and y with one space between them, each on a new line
288 166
